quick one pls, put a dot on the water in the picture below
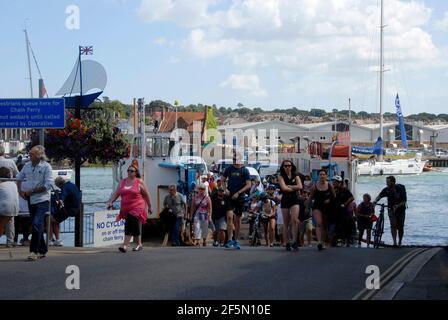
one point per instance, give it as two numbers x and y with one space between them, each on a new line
427 214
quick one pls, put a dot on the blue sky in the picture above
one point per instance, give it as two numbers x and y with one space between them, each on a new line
262 53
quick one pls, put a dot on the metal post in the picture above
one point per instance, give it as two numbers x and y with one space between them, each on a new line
41 131
381 74
79 218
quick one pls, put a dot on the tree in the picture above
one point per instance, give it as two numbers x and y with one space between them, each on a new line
211 123
94 141
318 113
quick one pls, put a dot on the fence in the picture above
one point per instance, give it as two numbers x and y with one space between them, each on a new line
68 226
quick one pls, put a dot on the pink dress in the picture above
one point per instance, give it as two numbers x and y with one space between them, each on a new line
132 201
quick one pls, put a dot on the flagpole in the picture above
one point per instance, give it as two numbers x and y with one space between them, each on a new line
79 234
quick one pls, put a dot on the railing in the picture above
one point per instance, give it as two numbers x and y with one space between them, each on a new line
68 226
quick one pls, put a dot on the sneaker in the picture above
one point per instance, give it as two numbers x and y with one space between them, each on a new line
237 246
32 257
320 247
288 247
58 243
51 243
229 244
295 247
215 243
122 250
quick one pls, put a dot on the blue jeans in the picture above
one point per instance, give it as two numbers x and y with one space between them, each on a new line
176 231
37 214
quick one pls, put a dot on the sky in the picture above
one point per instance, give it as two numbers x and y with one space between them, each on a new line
261 53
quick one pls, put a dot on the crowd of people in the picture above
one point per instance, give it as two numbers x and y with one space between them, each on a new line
293 210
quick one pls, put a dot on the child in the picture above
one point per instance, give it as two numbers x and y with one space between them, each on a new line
254 207
364 213
268 209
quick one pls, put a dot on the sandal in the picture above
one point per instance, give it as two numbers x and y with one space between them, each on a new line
138 248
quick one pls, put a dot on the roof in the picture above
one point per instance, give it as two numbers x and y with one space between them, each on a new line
373 126
184 120
249 125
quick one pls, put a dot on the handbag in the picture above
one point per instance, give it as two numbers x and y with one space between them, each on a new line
373 218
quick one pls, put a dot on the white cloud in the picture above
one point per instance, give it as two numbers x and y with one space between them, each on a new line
326 44
198 45
443 23
246 83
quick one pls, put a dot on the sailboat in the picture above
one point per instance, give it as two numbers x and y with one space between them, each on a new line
392 167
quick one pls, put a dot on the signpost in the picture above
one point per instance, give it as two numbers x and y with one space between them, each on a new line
107 231
32 113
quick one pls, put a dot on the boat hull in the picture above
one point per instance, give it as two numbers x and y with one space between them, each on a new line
398 167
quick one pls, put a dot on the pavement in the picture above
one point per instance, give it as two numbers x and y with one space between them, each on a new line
252 273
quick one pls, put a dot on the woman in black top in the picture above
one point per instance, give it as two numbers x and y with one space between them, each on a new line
290 184
323 194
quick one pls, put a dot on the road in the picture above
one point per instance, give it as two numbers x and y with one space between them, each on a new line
196 273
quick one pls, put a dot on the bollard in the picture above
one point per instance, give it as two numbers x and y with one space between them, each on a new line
48 222
79 227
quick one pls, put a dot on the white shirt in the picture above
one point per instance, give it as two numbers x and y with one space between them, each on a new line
39 176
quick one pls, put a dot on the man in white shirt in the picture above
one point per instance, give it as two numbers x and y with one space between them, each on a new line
38 173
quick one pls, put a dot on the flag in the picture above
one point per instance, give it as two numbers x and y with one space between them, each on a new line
404 141
86 50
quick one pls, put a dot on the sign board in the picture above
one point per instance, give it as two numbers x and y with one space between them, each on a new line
32 113
107 231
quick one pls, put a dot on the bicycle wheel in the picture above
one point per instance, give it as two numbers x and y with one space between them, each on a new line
378 232
254 239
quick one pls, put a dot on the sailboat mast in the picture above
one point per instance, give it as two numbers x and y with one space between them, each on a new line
381 69
29 62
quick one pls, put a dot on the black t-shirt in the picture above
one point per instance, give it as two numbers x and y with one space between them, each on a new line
395 196
304 213
236 178
219 207
342 196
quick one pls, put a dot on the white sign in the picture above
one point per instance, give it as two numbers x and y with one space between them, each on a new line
107 231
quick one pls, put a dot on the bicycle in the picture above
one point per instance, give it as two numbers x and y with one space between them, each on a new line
378 230
255 237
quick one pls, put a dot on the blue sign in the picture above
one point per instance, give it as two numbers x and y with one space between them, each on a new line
32 113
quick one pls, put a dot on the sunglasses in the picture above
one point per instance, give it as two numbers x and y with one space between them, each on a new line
287 166
131 171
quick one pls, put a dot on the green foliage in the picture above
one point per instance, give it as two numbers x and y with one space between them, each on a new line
96 141
210 122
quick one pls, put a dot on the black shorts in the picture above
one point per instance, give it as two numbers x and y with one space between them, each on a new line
60 215
132 226
236 206
289 200
397 219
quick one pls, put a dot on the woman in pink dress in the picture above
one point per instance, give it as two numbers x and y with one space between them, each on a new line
134 194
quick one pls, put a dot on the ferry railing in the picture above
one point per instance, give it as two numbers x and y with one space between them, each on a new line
88 209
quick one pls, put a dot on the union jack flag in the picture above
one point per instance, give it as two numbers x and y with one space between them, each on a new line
86 50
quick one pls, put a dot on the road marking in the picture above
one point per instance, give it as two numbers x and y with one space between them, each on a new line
365 294
407 275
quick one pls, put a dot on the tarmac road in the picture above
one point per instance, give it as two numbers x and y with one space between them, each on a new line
196 273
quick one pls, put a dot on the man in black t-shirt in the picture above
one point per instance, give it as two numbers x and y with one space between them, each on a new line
396 202
237 178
